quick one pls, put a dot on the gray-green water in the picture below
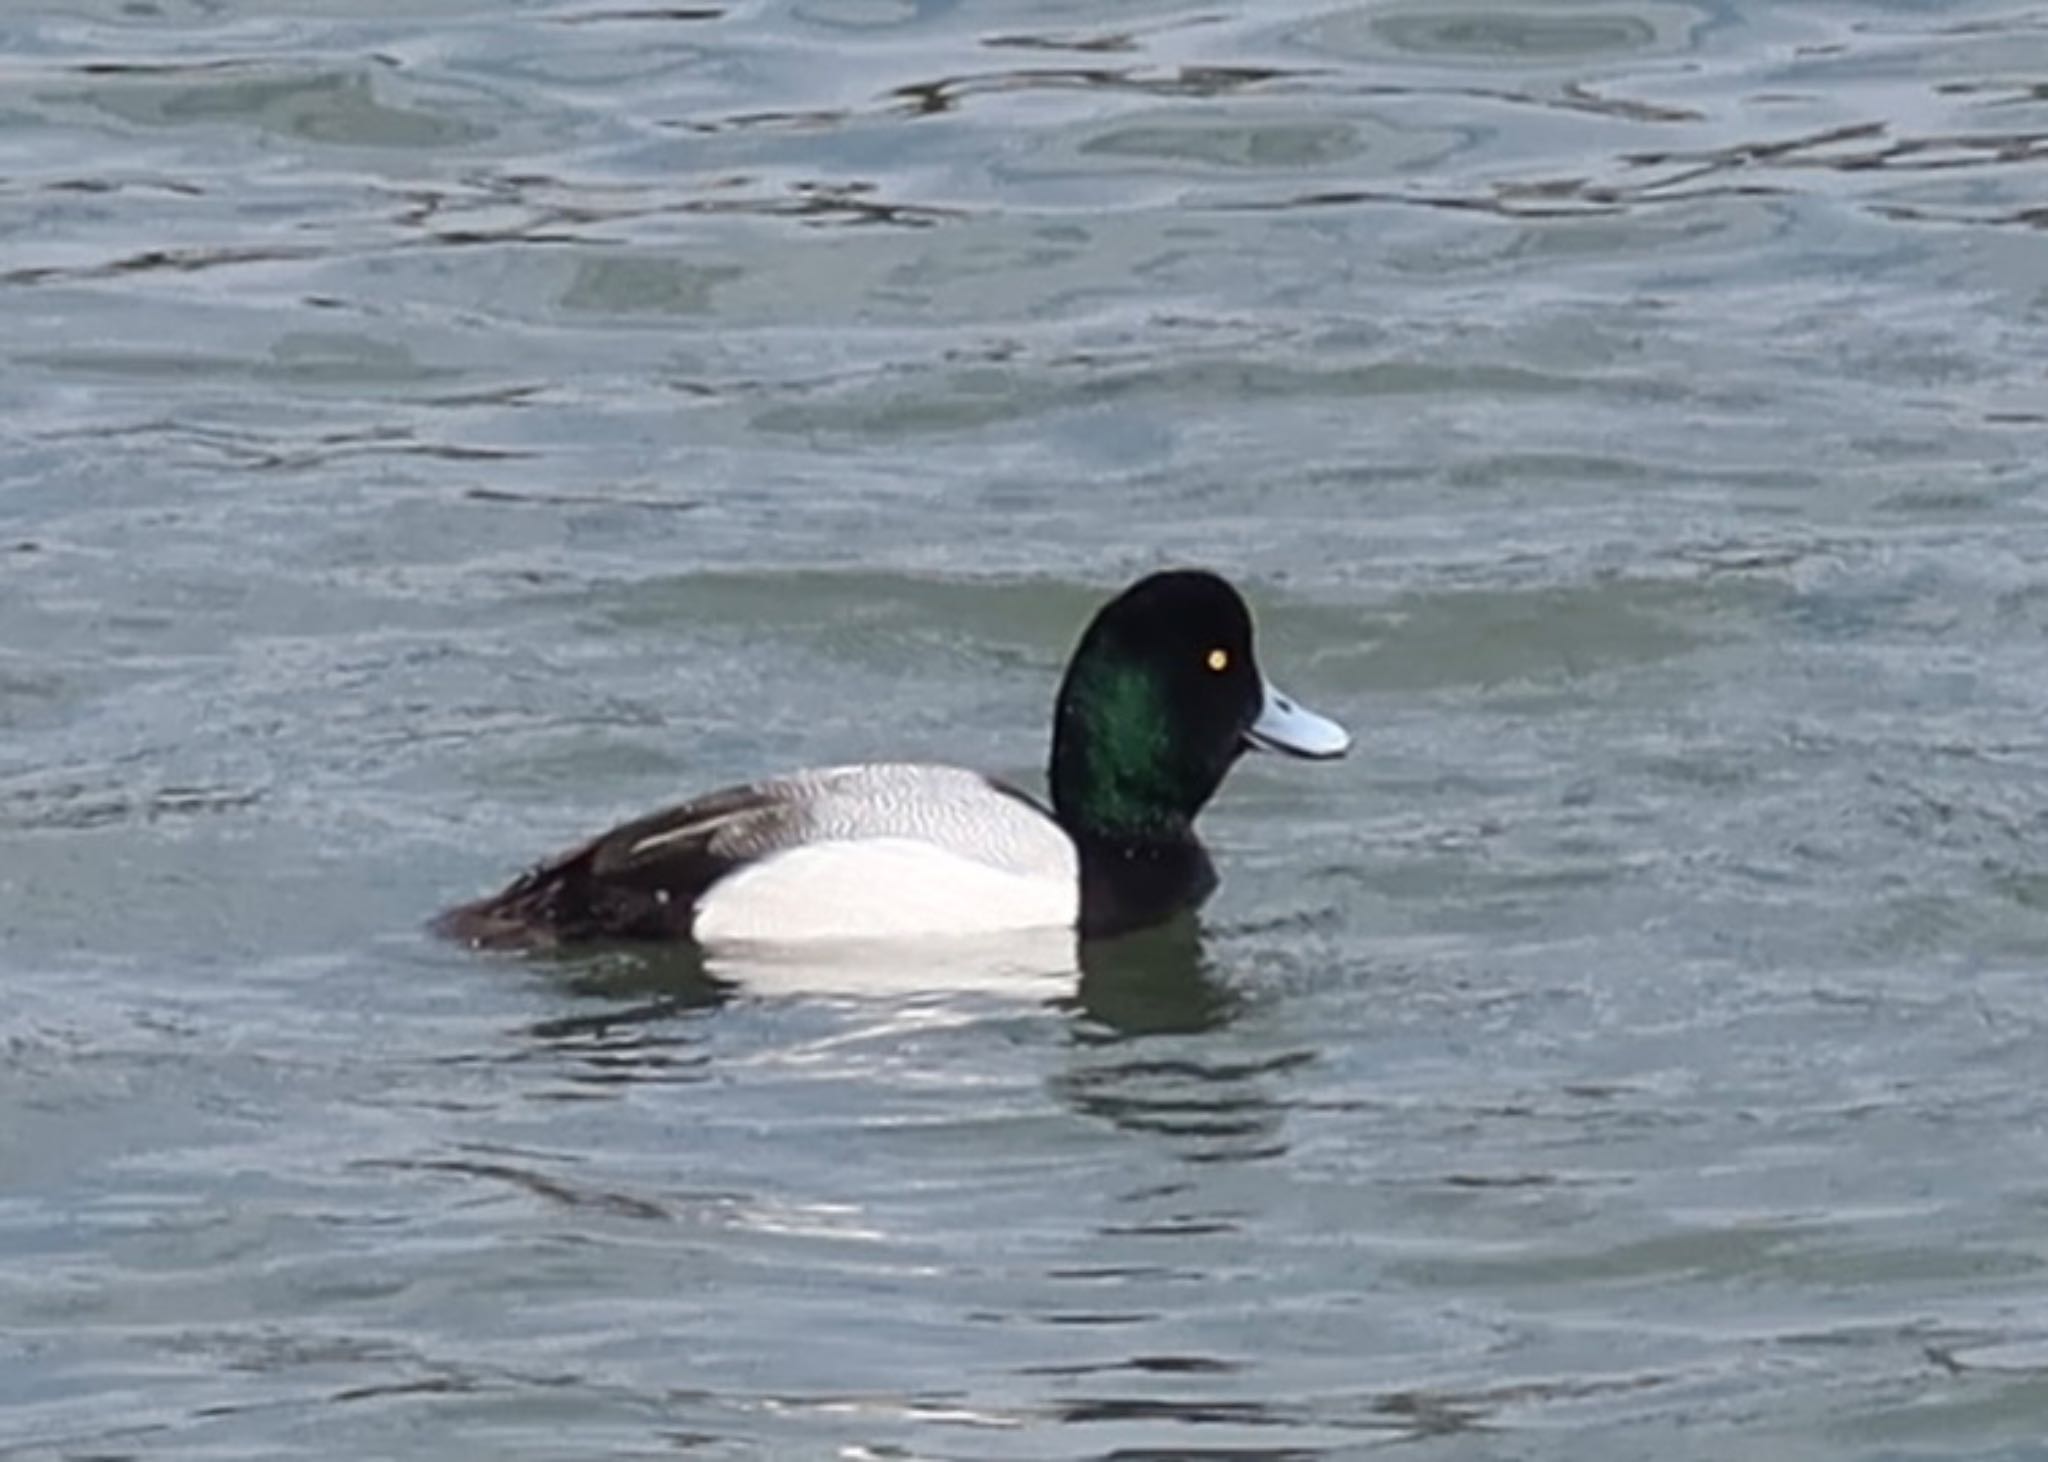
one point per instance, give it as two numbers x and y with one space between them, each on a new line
430 434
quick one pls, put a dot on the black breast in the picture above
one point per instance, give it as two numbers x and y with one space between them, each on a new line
1128 885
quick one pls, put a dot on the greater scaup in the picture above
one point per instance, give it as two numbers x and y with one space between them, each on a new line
1161 696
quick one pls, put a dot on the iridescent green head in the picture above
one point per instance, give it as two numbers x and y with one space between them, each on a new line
1161 696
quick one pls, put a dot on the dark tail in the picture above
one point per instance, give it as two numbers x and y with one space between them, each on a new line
566 902
531 912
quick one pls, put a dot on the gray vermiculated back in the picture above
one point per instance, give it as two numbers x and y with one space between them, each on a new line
950 807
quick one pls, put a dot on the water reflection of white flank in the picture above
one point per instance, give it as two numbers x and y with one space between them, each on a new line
1029 965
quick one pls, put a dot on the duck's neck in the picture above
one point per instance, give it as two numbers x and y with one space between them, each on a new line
1127 794
1133 883
1141 862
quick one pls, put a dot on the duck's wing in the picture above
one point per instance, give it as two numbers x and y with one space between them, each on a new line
644 879
641 880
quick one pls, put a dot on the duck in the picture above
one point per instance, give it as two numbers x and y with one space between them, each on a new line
1161 696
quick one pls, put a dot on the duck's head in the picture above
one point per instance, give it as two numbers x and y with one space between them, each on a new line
1162 695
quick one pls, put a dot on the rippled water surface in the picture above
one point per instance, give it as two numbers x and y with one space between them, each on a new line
430 434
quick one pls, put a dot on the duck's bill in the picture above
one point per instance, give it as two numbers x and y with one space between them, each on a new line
1294 730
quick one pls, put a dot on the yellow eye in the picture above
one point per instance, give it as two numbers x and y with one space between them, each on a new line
1219 660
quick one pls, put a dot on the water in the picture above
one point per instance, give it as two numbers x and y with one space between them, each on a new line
431 434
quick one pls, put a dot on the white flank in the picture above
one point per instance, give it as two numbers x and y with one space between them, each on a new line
882 888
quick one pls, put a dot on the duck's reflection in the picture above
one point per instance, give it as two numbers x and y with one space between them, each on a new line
1159 982
1144 1057
638 1032
638 984
1141 1015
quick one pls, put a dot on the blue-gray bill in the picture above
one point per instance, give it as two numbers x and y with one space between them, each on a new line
1295 730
